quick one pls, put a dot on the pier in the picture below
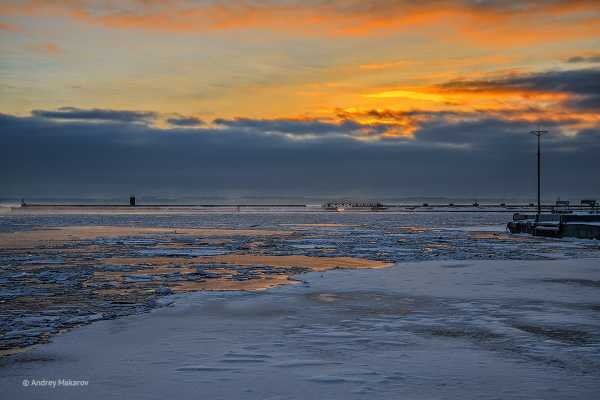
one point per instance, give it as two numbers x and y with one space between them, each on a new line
582 226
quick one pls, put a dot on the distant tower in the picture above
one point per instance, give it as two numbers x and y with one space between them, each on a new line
132 201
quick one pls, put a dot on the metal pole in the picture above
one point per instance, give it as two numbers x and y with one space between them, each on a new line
539 208
538 133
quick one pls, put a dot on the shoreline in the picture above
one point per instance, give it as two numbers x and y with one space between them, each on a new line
101 209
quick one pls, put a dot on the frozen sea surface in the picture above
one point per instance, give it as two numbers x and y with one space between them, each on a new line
501 329
483 315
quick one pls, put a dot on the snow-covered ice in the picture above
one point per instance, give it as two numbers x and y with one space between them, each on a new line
443 329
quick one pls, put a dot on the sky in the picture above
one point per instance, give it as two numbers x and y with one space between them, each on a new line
330 98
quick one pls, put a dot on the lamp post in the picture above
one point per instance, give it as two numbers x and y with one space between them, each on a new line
539 134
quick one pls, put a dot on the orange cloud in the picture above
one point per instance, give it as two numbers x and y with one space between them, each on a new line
406 123
563 97
412 95
496 23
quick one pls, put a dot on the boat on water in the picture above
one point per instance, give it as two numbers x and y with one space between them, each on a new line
349 205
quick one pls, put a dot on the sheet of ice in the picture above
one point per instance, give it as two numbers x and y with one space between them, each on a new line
450 329
390 237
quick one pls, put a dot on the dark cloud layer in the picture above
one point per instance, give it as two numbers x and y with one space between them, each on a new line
584 84
185 121
581 81
478 158
106 115
585 59
300 128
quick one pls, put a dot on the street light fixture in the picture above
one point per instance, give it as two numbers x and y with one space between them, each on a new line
539 134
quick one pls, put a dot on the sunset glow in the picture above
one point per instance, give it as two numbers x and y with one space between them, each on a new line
367 71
